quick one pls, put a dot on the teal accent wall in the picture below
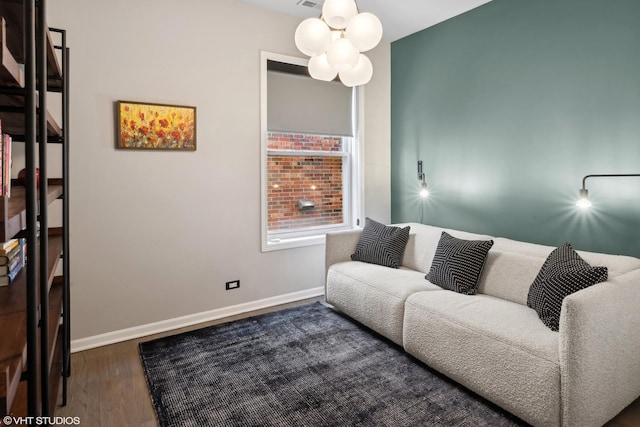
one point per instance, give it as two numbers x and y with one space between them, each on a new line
509 106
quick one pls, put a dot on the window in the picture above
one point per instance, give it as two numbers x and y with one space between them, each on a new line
310 156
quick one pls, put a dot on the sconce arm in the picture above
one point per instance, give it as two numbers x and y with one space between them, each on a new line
614 175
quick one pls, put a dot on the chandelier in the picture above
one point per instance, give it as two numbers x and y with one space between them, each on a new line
336 40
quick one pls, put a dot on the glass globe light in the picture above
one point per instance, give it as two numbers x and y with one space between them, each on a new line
342 56
337 13
364 31
320 69
312 37
360 74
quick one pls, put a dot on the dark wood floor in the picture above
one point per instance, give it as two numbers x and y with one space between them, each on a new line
107 386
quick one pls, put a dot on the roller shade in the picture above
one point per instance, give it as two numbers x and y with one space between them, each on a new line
297 103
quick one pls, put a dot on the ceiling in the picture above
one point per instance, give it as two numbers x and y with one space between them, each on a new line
399 18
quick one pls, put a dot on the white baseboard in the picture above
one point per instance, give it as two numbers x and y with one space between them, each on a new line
192 319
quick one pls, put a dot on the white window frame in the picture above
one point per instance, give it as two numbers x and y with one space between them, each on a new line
352 173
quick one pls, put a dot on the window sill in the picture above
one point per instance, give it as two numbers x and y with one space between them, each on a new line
301 238
292 242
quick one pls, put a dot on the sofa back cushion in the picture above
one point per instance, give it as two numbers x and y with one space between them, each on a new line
423 241
508 275
616 264
512 266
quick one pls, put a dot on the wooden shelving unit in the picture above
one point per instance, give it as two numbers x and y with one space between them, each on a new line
13 12
13 210
10 71
13 350
34 308
15 121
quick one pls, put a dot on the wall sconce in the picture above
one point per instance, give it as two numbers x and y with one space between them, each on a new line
424 192
584 202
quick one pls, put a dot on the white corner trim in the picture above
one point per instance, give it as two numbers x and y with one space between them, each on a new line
189 320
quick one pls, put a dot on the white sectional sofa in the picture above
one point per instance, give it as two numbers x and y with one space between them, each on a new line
491 342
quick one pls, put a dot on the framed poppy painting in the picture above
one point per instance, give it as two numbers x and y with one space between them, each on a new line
143 126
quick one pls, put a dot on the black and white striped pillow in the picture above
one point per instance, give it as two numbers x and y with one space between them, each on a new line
458 263
381 244
563 273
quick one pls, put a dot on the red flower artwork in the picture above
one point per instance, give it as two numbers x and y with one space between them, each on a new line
170 128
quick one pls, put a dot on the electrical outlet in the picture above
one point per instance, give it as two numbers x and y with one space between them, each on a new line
234 284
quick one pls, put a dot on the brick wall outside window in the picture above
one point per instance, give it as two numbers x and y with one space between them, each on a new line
304 177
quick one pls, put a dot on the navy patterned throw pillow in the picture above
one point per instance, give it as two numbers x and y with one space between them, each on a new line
381 244
563 273
458 263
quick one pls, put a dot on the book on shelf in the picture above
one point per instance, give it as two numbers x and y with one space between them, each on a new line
11 255
1 160
7 246
5 280
6 165
7 268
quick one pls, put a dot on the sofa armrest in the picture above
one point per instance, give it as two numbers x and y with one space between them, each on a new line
600 350
339 247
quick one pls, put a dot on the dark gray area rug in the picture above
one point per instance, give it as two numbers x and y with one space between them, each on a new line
304 366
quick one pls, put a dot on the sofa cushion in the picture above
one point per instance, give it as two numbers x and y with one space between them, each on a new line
512 266
497 348
374 295
616 264
458 263
423 241
563 273
381 244
508 275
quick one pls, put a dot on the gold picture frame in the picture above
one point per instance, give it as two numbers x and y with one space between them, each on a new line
147 126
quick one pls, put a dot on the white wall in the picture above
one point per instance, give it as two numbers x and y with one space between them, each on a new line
155 235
